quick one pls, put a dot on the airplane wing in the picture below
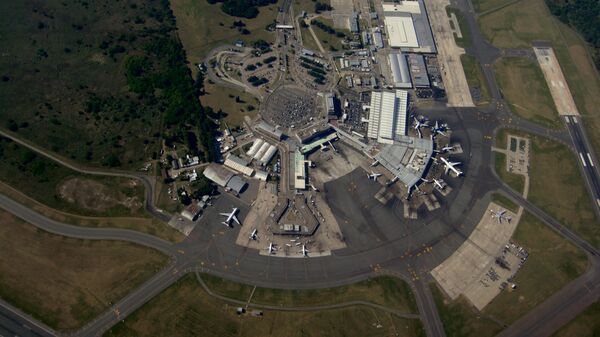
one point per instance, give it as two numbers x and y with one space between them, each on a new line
224 214
447 169
234 218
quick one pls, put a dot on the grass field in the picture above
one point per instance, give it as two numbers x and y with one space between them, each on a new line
515 181
505 202
65 86
486 5
202 27
515 26
61 188
329 41
218 97
308 41
553 262
185 309
385 290
66 282
466 40
523 85
475 77
587 324
144 225
460 319
553 172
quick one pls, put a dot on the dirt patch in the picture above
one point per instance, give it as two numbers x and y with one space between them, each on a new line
95 196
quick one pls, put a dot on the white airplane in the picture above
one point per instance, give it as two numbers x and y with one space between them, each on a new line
272 248
445 149
254 235
230 216
419 124
304 251
439 183
438 129
375 163
373 175
450 166
499 215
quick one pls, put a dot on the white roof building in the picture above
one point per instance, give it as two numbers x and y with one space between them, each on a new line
387 115
401 31
255 146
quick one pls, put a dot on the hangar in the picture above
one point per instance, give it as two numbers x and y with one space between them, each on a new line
387 115
400 73
408 27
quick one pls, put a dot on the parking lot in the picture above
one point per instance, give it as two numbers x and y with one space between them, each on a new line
290 106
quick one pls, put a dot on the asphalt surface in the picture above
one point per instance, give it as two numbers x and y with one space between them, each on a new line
13 322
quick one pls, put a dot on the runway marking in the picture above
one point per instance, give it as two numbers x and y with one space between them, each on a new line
582 159
590 159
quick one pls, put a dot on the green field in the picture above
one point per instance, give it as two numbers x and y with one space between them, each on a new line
489 5
587 324
329 41
523 85
202 27
505 202
553 172
186 309
385 290
64 189
515 26
475 77
223 98
515 181
64 81
67 282
553 262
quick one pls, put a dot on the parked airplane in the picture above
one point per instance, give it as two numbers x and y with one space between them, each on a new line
254 235
375 163
437 182
500 215
272 248
450 166
230 216
444 149
441 184
438 129
373 175
419 124
304 251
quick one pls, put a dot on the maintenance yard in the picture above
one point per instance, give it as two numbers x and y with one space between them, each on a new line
290 106
559 89
483 265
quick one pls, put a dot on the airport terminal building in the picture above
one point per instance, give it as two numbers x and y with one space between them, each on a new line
387 115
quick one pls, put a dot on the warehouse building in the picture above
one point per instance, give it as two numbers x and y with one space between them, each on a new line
255 147
418 71
269 130
268 155
377 39
224 178
400 73
238 164
408 27
387 115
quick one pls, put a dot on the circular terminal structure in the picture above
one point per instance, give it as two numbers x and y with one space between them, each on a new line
289 106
